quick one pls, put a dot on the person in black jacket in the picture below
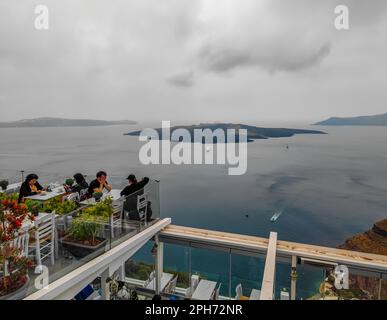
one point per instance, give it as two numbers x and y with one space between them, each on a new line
81 183
130 193
99 184
134 186
30 187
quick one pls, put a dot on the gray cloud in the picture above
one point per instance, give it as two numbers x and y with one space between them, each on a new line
222 59
276 59
184 79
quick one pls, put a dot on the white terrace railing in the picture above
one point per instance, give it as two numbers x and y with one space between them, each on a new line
271 249
294 254
103 266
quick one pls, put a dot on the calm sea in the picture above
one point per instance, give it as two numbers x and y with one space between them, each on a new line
328 187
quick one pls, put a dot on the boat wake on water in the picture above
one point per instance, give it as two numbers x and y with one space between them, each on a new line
276 215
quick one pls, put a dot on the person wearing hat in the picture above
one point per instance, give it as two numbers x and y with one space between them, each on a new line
133 185
30 187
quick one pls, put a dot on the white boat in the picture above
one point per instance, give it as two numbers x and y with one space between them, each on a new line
276 215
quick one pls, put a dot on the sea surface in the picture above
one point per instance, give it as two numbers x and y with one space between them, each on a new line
328 187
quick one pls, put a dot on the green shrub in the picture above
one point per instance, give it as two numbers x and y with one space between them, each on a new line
102 209
60 207
85 228
11 197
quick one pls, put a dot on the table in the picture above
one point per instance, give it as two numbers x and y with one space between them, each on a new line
204 290
255 294
115 194
56 192
11 188
165 279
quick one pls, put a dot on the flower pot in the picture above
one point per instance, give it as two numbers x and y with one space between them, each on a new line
97 196
80 250
18 294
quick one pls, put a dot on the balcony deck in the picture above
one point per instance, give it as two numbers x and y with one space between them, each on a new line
162 232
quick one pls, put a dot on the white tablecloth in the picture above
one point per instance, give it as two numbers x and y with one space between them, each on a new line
114 194
56 192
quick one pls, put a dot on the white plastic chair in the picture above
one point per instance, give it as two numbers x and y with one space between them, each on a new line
194 281
44 242
216 292
284 295
72 197
151 277
82 193
193 285
142 206
115 221
21 242
170 288
238 291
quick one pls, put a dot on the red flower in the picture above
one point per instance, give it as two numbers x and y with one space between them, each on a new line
18 223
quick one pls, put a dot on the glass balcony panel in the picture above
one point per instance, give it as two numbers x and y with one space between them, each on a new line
282 281
176 262
247 273
213 266
142 264
309 280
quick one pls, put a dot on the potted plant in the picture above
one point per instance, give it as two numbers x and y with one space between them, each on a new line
9 197
34 207
97 196
82 237
13 265
4 184
14 278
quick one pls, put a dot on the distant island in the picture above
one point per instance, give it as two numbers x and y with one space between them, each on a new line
253 133
375 120
60 122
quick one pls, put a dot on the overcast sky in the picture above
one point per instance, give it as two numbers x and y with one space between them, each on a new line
229 60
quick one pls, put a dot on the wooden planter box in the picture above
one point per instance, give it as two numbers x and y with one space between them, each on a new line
80 250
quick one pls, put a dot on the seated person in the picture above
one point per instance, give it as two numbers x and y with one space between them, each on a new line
30 187
99 184
131 192
134 185
80 183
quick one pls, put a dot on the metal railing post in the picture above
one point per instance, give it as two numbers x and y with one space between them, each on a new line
293 276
